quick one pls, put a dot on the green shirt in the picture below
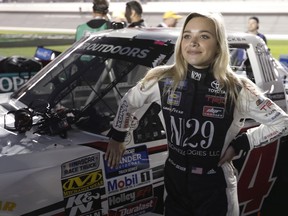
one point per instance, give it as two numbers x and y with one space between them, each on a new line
85 29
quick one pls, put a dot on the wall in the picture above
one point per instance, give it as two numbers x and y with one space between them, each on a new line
273 15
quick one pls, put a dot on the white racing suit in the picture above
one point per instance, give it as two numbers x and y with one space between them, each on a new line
200 125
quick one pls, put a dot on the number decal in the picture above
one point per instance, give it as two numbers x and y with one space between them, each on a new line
255 181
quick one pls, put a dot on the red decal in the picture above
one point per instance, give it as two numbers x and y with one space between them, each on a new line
255 181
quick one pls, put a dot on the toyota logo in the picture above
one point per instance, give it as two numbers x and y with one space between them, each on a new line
215 85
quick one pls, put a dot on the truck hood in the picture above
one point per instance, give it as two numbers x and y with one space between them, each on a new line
13 142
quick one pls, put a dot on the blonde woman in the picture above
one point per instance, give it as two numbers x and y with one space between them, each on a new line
203 103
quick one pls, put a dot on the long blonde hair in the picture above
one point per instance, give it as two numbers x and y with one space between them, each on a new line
220 67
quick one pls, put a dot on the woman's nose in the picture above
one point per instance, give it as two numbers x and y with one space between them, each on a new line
193 43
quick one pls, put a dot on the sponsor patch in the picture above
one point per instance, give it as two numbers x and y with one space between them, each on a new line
121 117
88 203
7 206
80 165
133 160
174 98
139 51
259 101
127 197
276 96
84 182
135 209
195 75
215 88
213 112
128 181
215 99
266 105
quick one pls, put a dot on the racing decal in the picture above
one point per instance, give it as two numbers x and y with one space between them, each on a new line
135 209
81 185
215 88
174 98
121 120
7 206
215 99
10 82
276 96
168 84
236 39
84 182
173 110
178 130
87 203
157 61
273 114
255 180
144 52
213 112
80 165
127 197
195 75
274 135
265 105
133 160
120 50
128 181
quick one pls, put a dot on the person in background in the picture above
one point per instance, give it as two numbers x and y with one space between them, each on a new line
133 14
170 19
100 21
204 104
253 27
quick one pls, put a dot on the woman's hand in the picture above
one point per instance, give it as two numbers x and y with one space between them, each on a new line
114 153
228 156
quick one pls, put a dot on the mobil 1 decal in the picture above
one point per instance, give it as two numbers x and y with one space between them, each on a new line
144 52
133 160
128 181
82 185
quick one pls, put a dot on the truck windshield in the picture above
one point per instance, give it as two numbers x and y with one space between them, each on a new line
100 69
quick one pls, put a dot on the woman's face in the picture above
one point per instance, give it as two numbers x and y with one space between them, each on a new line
199 44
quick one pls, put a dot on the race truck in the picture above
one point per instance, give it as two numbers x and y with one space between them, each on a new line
16 70
54 131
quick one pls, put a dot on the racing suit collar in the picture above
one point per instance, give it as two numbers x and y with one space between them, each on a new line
196 73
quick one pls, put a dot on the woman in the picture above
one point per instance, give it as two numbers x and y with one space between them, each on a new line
203 104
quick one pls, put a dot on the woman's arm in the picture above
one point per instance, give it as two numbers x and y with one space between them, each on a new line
134 99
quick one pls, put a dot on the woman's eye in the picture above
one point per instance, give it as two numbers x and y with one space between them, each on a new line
205 36
186 36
